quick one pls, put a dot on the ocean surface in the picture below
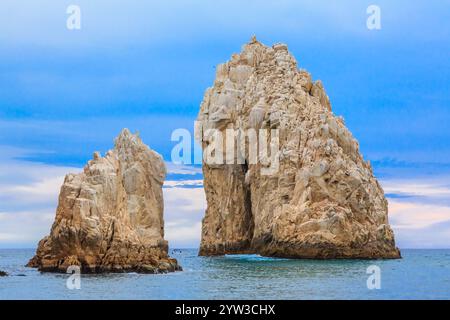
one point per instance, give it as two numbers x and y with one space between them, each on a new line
421 274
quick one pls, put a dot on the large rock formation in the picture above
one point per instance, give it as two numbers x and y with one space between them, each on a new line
110 216
320 201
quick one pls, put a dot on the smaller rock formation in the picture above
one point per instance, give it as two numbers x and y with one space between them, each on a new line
110 216
3 273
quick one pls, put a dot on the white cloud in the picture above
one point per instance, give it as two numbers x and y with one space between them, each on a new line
29 194
183 183
407 215
420 188
44 191
420 217
182 169
183 211
24 228
183 233
28 185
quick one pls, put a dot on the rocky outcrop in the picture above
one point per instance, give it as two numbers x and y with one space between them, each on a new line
319 200
110 216
3 273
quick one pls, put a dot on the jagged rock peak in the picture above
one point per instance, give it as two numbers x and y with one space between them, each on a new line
110 216
126 138
320 201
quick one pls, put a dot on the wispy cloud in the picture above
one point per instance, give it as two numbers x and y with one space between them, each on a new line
29 194
408 215
184 184
418 210
183 233
25 228
182 169
430 189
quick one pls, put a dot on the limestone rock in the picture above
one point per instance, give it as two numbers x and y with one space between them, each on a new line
110 216
323 200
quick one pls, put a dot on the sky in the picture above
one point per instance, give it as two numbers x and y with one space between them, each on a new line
145 65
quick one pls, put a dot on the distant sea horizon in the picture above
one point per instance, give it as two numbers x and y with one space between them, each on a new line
420 274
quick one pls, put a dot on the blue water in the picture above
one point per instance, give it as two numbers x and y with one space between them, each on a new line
421 274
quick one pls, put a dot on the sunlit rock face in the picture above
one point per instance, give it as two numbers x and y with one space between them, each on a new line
320 200
110 216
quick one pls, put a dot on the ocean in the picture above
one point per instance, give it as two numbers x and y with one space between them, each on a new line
420 274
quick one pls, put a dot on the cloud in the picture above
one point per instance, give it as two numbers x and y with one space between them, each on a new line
408 215
418 210
28 186
43 191
184 184
28 197
29 194
434 236
24 228
420 188
182 169
185 200
183 233
73 141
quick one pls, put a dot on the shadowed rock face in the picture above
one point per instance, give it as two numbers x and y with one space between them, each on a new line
110 216
323 200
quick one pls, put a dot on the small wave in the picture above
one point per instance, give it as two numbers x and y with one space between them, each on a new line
251 257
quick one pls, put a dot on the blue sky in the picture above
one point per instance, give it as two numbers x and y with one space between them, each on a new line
146 64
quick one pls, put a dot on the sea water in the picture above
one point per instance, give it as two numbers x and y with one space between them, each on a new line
420 274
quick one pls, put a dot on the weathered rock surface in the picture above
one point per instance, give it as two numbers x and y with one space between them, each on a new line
322 202
110 216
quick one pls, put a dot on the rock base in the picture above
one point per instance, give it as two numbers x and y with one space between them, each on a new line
152 264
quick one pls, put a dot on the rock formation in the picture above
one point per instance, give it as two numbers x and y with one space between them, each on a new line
3 273
110 216
322 201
